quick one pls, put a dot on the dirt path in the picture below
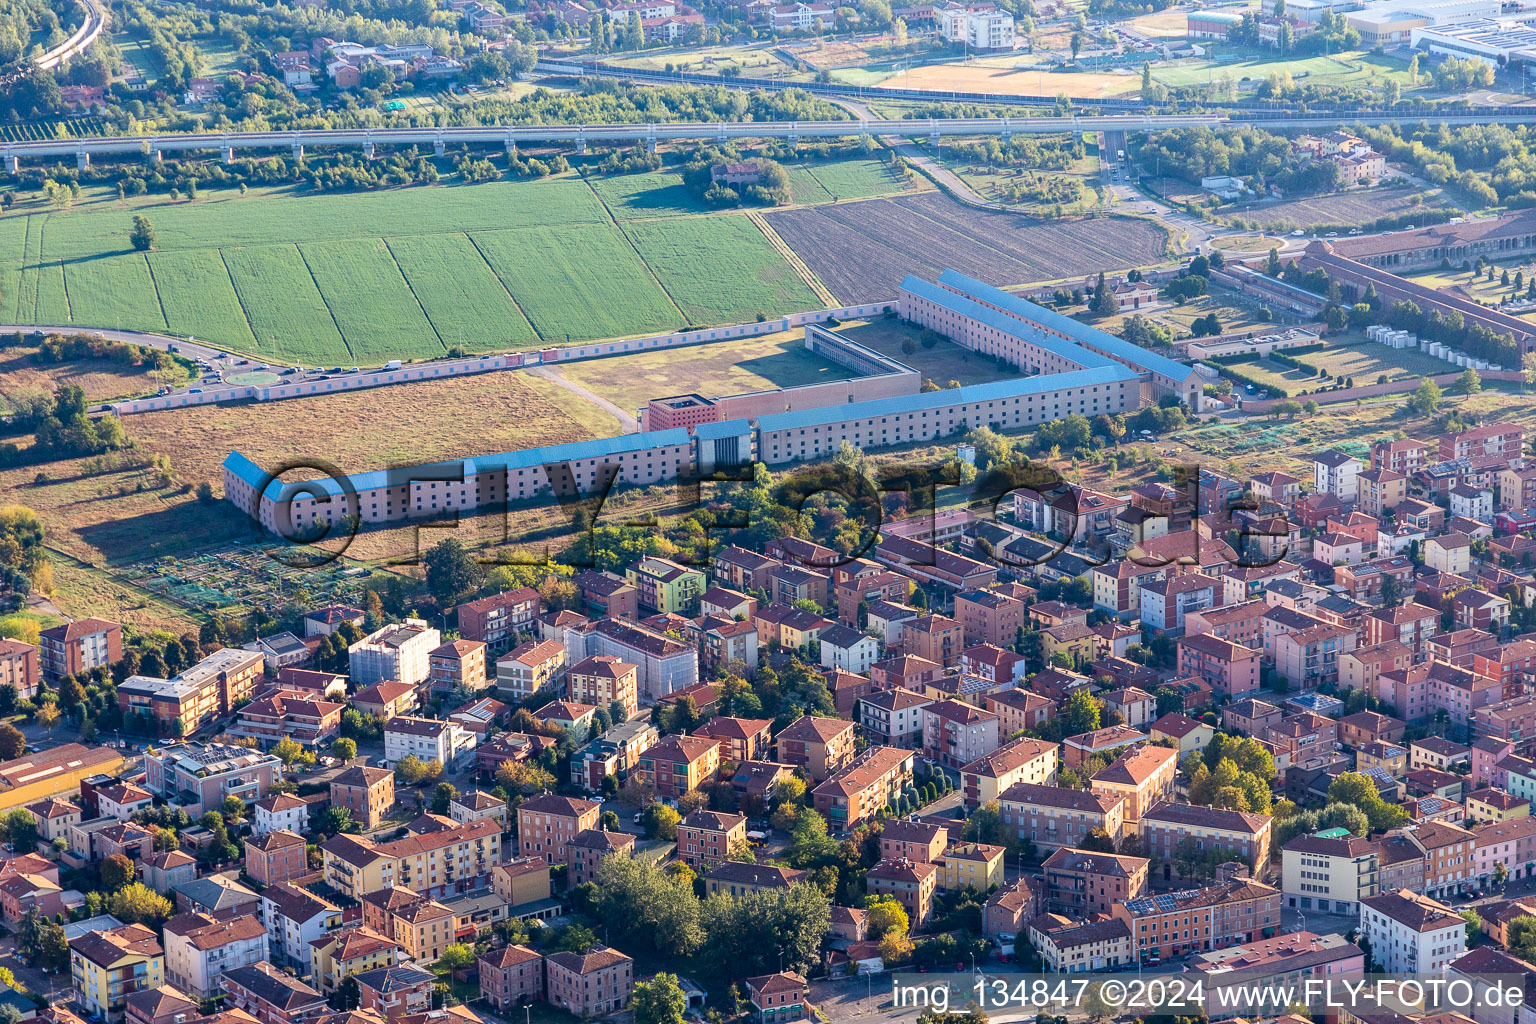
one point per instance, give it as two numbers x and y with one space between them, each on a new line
627 420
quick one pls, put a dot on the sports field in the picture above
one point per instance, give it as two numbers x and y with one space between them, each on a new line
362 278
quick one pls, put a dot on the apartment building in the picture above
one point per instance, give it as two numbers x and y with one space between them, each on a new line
913 839
196 696
457 665
1023 760
108 966
1333 874
705 838
741 739
20 667
676 765
861 790
663 665
545 824
989 617
1242 836
272 997
400 651
421 925
1410 933
819 745
1081 883
199 949
937 638
589 984
602 679
276 856
893 718
665 587
956 733
586 853
208 773
499 619
1230 668
395 992
448 858
300 715
510 976
1232 912
78 646
1053 817
295 918
912 883
428 739
369 793
530 667
1142 777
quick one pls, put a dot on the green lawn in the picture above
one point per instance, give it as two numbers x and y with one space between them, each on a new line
941 363
1365 361
1353 68
720 269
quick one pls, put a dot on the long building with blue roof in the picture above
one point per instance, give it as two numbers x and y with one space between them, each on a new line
1068 368
1032 337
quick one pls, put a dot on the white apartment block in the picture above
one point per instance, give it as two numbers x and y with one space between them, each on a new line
1410 933
400 651
977 29
199 949
430 739
294 918
278 812
1335 473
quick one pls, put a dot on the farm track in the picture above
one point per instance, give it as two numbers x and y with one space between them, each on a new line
811 280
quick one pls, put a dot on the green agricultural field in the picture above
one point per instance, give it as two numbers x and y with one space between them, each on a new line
284 307
291 217
461 294
406 273
199 299
654 194
720 269
113 291
378 314
855 179
582 280
804 187
52 296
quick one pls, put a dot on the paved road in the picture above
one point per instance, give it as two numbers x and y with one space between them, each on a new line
627 421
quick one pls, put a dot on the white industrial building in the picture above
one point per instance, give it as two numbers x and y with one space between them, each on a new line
1501 41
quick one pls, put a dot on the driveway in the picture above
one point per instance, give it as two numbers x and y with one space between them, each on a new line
627 420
